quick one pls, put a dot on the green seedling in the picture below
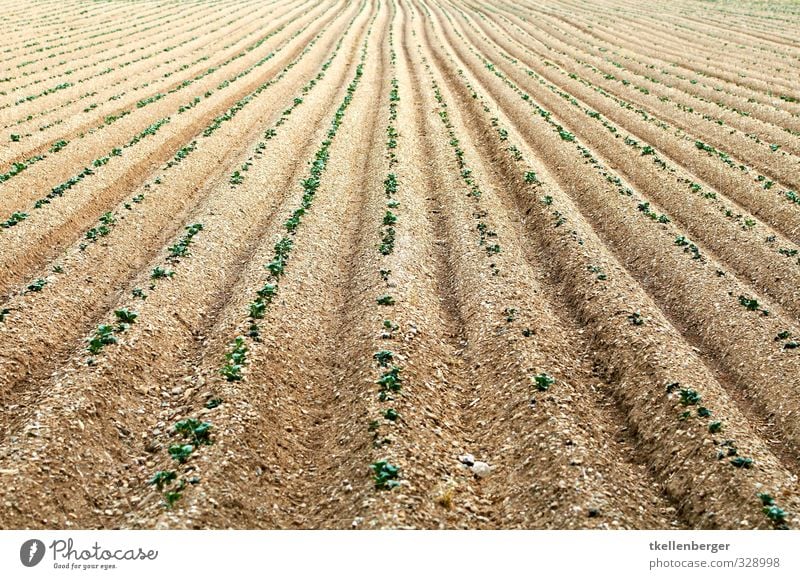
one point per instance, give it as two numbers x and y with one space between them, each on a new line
162 478
276 267
689 397
387 242
728 449
383 357
766 499
181 452
390 381
161 273
543 382
15 218
772 511
212 403
566 135
390 328
232 372
103 336
37 286
389 218
96 232
172 496
195 430
385 475
752 304
776 515
390 184
236 357
125 316
268 292
601 275
179 250
257 309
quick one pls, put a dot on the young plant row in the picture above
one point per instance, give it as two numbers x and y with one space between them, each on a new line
541 381
694 84
235 358
774 148
386 475
747 223
107 334
487 237
686 400
188 435
610 76
643 150
643 206
201 25
109 119
237 177
700 145
60 189
157 26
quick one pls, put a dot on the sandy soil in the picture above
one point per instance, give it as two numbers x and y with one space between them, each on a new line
408 264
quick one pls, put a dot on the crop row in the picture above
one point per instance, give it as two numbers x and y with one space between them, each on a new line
177 87
236 357
635 318
59 190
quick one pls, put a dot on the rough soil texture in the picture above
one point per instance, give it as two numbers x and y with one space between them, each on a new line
400 264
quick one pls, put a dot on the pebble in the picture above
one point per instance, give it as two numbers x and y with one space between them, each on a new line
481 469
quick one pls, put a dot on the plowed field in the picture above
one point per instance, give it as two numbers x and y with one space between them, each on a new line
400 263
